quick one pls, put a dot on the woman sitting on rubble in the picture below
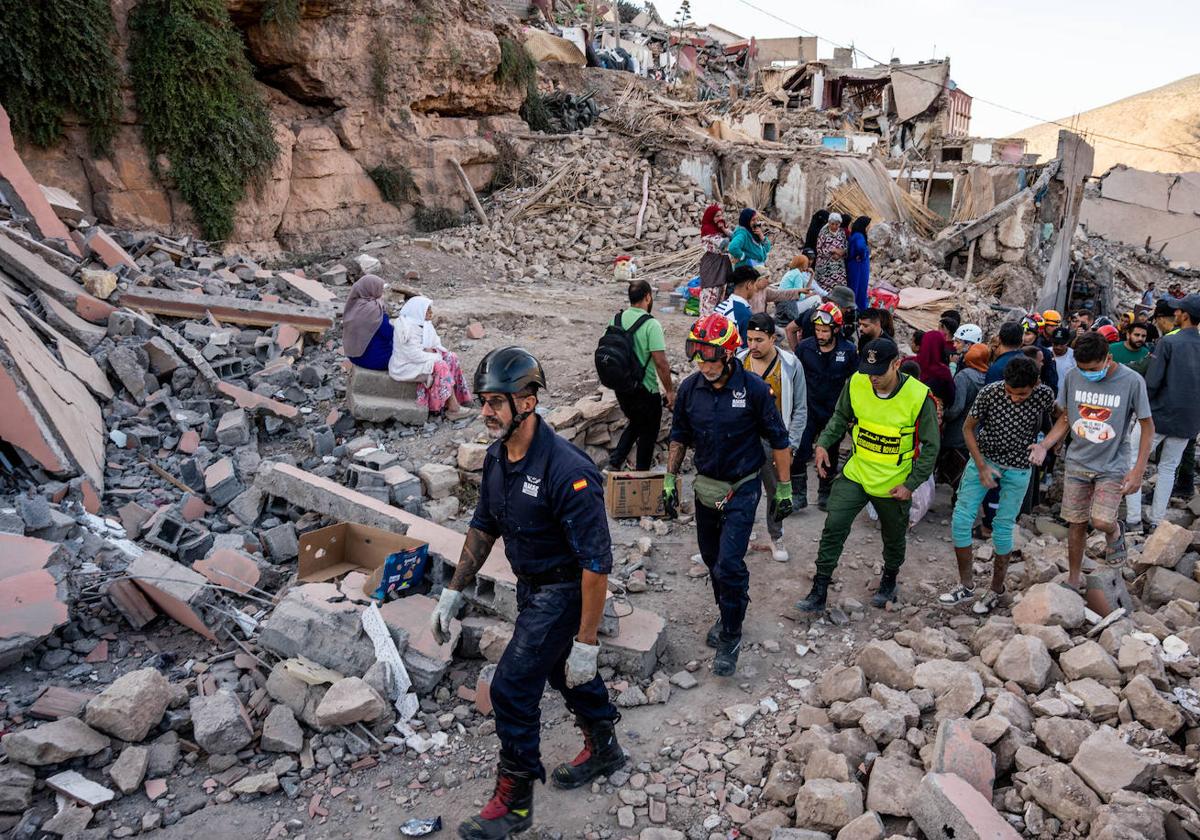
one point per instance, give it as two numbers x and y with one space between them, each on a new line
716 272
858 261
831 253
366 331
798 278
418 356
749 245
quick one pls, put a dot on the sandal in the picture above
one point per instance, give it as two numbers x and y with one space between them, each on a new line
956 596
988 602
1117 551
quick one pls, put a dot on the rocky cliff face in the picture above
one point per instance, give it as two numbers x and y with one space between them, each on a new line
353 85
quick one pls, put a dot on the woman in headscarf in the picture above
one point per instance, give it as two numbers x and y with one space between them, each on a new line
934 371
831 253
858 261
366 331
814 229
715 268
419 356
749 245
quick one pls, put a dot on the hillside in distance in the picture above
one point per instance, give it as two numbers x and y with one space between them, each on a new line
1166 117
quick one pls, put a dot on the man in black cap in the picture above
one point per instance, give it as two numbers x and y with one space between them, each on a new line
894 446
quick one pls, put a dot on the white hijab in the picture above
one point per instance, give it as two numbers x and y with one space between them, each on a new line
414 311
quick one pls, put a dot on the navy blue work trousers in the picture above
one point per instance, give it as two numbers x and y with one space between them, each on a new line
547 622
724 537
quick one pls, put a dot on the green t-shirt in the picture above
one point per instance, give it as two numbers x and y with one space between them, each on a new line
1123 355
648 339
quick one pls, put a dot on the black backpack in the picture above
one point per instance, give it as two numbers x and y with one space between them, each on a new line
616 359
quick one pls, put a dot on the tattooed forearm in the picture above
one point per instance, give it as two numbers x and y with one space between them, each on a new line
476 549
675 457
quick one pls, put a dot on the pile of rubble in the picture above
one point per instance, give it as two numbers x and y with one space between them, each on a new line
174 443
1054 722
587 211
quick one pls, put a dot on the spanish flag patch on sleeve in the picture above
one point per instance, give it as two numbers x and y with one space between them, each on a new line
581 484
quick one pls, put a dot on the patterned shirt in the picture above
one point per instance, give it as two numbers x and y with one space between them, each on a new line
1005 429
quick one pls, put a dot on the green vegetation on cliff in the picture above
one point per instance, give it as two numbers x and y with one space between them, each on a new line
57 56
199 106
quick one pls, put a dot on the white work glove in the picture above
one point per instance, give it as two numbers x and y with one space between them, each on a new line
444 613
581 664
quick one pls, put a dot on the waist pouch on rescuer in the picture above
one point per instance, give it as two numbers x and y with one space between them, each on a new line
713 493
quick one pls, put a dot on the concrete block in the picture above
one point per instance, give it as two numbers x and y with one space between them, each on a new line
426 660
374 396
281 542
221 482
439 480
220 724
638 645
947 808
233 429
311 622
471 456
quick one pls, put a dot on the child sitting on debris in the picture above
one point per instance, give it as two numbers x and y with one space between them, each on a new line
419 356
366 330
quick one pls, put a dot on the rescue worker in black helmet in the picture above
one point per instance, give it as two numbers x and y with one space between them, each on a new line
544 497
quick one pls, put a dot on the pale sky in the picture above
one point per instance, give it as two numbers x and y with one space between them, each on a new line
1046 58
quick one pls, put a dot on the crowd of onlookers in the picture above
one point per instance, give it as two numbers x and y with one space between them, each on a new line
1104 396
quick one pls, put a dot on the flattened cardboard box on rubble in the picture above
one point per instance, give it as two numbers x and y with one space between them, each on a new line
391 562
632 495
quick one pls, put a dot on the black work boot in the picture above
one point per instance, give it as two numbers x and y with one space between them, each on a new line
887 589
815 602
728 648
601 755
799 491
509 811
714 634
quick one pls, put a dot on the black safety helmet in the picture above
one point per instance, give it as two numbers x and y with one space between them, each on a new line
508 370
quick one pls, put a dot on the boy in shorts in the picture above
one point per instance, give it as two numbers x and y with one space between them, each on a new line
1101 400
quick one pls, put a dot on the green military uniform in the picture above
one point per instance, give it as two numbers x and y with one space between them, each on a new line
894 440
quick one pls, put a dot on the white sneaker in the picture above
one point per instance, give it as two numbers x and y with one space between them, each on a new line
778 552
698 558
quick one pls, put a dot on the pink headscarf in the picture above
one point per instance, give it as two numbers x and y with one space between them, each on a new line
363 314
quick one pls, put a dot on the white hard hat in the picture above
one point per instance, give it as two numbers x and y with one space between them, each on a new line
968 333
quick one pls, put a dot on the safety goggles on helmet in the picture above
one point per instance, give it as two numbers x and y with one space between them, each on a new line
828 314
704 352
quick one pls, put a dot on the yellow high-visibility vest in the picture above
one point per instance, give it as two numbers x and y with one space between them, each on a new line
884 436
